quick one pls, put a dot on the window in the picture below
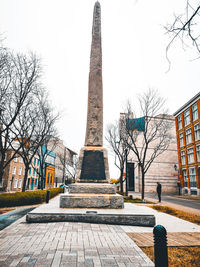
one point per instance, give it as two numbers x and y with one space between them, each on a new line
185 178
198 153
181 139
20 183
179 122
188 136
20 171
196 132
187 117
30 171
34 161
38 162
5 157
15 184
190 155
15 159
14 170
33 171
183 157
193 182
194 112
21 160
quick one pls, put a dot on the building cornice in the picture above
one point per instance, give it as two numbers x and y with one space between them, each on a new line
187 104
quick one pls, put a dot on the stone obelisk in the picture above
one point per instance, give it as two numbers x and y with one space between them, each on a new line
93 159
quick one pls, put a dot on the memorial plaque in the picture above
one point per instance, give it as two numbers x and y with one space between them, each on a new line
93 166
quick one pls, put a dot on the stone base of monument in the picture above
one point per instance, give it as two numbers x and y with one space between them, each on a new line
98 201
93 165
92 196
131 214
93 217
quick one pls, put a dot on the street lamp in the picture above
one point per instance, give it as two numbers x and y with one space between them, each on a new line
126 153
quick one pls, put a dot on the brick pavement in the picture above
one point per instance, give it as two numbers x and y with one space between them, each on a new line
68 244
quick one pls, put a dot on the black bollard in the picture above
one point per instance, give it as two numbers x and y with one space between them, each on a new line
160 246
47 196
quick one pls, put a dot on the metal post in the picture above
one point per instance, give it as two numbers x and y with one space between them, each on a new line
126 151
160 246
47 196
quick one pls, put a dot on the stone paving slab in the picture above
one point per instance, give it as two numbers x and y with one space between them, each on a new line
68 244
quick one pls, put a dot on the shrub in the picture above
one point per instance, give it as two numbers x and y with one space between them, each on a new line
114 181
26 198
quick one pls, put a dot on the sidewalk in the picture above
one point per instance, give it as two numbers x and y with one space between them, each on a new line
81 244
171 205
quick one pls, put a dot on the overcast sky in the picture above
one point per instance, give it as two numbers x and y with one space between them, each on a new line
133 45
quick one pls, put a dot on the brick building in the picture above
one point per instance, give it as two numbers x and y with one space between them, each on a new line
188 144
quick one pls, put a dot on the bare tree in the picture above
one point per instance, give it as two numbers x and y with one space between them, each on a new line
69 162
115 139
149 136
33 127
185 27
19 75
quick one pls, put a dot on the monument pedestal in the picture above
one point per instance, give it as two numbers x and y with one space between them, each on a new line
93 165
92 196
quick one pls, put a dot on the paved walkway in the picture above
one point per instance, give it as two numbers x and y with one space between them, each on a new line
68 244
81 244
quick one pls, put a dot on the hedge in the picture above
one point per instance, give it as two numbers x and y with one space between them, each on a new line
26 198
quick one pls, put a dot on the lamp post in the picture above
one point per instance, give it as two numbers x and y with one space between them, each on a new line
1 129
126 153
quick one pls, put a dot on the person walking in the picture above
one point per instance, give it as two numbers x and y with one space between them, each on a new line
159 191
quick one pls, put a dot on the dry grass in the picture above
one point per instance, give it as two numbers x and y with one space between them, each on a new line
2 211
179 256
180 214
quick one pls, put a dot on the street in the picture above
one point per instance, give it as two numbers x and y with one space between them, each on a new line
178 200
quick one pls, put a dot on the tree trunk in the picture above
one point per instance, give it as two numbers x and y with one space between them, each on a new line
25 178
1 173
142 184
2 168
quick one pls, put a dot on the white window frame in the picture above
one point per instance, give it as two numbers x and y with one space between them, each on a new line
187 117
190 155
181 140
194 112
180 122
196 132
21 160
14 170
20 171
15 183
183 157
15 159
20 183
188 136
198 152
193 180
185 178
